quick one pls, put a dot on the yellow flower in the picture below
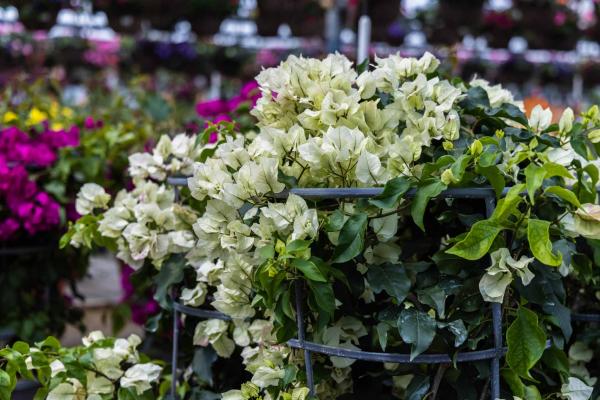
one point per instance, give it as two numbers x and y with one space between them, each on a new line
57 126
54 108
67 112
9 116
36 116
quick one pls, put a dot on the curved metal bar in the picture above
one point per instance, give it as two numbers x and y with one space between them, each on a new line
200 313
177 180
16 251
580 317
487 354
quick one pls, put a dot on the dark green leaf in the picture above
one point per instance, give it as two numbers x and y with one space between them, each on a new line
393 190
390 278
309 269
425 193
434 297
418 388
351 239
416 328
204 358
526 342
170 273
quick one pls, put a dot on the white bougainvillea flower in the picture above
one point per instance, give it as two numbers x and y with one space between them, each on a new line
215 332
496 93
107 362
576 389
91 196
70 390
587 221
140 377
97 386
195 296
92 338
540 118
266 376
499 275
56 367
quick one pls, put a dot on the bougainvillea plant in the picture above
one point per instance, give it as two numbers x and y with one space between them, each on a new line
393 273
102 368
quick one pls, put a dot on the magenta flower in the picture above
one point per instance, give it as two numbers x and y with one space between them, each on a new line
211 108
8 228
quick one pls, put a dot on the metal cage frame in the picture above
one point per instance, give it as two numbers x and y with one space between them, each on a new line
494 354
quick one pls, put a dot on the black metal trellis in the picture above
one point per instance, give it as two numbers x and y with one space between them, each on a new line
494 354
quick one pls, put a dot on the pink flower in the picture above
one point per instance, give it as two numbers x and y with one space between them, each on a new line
250 91
8 228
560 18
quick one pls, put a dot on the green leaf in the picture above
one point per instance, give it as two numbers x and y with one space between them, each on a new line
392 191
424 194
477 97
351 239
526 342
382 334
309 269
508 205
323 296
514 382
418 388
556 359
538 235
494 177
534 177
434 297
564 194
416 328
553 169
297 246
478 241
335 222
204 358
458 329
390 278
170 273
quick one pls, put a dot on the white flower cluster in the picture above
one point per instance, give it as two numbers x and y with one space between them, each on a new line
169 157
325 104
106 369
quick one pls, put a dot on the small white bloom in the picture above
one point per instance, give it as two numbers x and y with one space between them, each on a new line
540 118
141 377
91 196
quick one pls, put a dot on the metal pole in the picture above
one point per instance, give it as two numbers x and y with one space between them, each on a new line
174 354
332 27
490 204
307 357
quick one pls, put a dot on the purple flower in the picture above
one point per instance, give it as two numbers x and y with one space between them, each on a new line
211 108
61 138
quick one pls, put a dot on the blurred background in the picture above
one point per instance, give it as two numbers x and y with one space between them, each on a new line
123 72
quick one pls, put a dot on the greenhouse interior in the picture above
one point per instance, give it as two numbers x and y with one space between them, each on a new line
300 199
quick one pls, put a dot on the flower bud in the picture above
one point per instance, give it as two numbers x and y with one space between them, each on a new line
565 124
476 148
447 177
